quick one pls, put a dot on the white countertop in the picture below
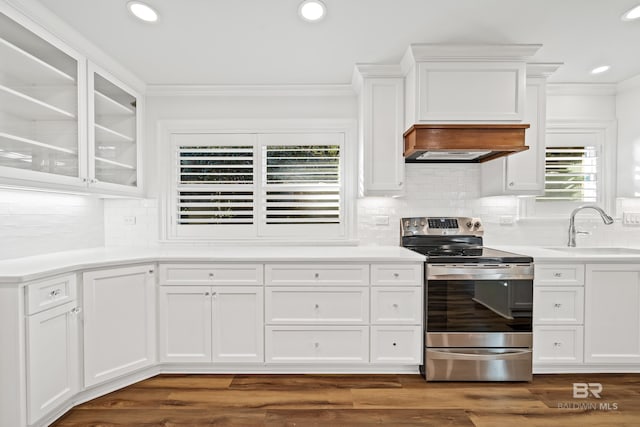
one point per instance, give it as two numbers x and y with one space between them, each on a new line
19 270
549 254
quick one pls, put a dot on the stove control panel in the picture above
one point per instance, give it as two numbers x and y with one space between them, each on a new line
443 226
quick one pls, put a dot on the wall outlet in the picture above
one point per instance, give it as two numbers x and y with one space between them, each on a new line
507 220
631 219
381 220
129 220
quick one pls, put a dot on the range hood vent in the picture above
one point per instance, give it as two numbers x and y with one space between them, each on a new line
462 143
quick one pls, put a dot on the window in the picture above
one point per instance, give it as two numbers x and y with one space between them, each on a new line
571 174
253 186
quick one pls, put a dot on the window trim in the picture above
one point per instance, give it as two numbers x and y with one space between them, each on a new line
167 128
605 132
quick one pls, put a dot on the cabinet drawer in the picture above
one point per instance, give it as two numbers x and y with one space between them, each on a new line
50 293
211 274
310 344
316 274
396 305
314 305
396 274
396 344
559 274
558 344
561 305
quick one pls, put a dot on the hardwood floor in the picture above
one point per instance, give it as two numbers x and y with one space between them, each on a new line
360 400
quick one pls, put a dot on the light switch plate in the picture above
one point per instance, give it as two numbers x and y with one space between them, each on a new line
129 220
381 220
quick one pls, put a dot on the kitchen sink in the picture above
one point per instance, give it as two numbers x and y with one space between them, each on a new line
597 251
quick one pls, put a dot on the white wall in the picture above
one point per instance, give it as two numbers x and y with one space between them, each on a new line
33 222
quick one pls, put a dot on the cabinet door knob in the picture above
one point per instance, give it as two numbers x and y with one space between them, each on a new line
511 184
557 305
316 275
150 271
395 344
400 183
396 275
316 344
395 306
54 293
214 294
317 306
557 274
210 275
206 294
557 344
76 310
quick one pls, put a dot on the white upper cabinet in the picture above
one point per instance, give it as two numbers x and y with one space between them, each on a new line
523 173
41 97
381 104
64 123
114 133
465 83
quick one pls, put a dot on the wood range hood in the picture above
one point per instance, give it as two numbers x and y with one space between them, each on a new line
462 143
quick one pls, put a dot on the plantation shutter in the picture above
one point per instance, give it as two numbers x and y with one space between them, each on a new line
571 174
215 191
302 184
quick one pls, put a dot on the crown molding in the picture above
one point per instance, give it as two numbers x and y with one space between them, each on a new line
250 90
542 69
632 83
471 52
597 89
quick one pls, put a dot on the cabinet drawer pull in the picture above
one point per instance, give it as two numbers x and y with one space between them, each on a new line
210 275
76 310
396 275
557 274
316 344
206 294
557 305
150 271
54 293
317 306
316 275
394 344
214 294
395 305
557 344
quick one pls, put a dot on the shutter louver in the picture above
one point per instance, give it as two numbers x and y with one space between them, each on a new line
301 184
215 185
571 174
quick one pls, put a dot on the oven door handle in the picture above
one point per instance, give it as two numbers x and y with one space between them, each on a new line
479 272
478 354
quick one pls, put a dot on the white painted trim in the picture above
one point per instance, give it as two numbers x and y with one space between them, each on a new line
471 52
597 89
250 90
542 69
585 369
630 84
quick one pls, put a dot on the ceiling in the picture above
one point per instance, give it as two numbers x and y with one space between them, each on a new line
246 42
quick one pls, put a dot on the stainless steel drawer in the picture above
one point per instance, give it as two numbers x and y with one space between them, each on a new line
475 364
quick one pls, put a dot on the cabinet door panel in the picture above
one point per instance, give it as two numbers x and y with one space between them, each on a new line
119 327
557 345
52 359
561 305
612 317
238 324
185 324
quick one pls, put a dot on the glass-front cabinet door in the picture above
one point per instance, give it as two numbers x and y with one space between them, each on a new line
114 133
41 128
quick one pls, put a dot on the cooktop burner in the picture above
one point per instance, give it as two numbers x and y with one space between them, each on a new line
453 241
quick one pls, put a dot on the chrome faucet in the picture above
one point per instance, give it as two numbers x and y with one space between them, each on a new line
572 226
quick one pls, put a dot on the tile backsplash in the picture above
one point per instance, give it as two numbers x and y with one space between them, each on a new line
33 222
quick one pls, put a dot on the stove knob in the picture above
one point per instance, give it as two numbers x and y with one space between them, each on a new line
469 224
415 223
407 223
423 223
477 224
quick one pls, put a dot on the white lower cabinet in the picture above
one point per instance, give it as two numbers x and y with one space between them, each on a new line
396 305
396 344
205 324
52 359
612 320
312 344
119 322
558 344
559 305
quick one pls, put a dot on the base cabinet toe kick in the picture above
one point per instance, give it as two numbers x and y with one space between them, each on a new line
77 336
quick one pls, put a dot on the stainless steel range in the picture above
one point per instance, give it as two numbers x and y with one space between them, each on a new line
478 303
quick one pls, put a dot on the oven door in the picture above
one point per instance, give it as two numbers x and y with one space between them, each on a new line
485 299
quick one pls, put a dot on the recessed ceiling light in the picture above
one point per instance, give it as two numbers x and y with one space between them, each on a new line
142 11
632 14
600 70
312 10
